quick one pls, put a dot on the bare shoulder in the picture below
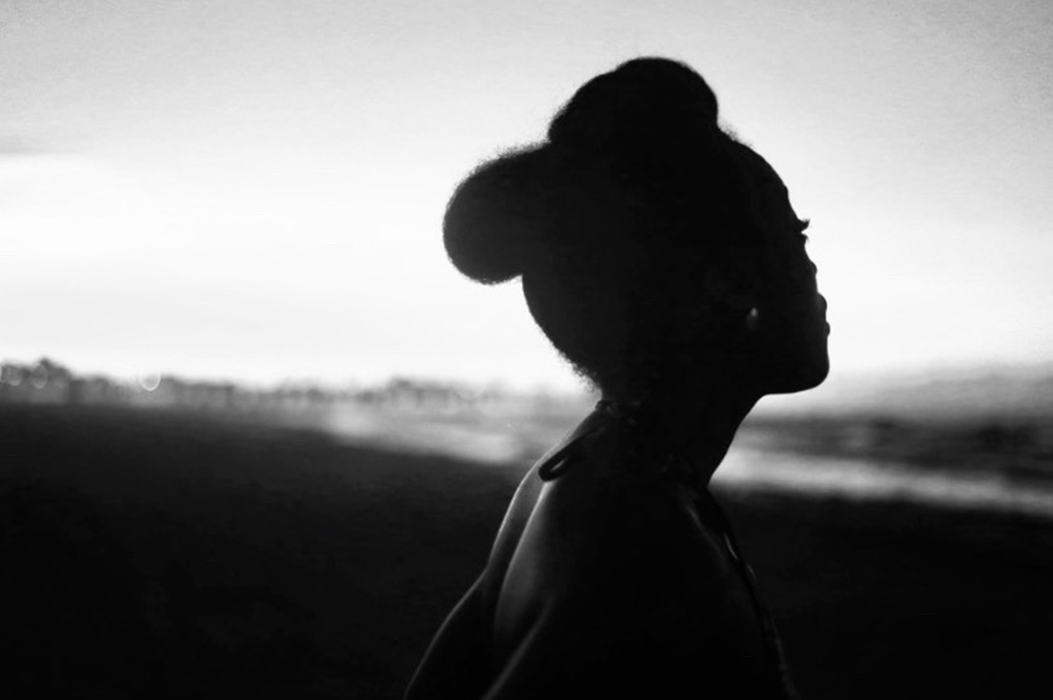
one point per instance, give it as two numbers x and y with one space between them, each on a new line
630 518
611 564
603 526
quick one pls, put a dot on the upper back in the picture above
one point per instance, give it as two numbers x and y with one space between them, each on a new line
591 526
606 575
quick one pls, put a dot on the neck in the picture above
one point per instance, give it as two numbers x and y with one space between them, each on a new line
699 424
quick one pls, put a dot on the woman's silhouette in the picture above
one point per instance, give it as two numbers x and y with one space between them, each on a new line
662 258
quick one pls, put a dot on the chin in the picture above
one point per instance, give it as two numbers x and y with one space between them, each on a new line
801 375
817 376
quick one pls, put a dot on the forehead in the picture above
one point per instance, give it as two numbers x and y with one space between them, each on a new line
757 172
765 193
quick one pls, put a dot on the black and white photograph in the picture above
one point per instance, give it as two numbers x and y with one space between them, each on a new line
493 350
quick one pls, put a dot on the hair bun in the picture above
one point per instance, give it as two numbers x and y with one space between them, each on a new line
494 219
644 105
641 125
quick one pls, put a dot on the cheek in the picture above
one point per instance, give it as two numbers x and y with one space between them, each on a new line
792 331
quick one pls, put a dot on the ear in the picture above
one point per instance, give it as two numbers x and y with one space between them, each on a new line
729 289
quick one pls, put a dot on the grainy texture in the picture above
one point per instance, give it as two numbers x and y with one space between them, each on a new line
157 554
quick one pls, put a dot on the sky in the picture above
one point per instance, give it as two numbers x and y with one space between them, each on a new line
254 189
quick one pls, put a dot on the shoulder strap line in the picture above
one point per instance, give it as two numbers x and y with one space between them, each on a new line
556 461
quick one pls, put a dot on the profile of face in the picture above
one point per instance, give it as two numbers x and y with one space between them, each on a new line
788 333
610 221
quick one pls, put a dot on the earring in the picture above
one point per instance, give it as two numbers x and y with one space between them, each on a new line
752 319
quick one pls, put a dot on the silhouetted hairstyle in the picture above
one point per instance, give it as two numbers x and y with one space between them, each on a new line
607 219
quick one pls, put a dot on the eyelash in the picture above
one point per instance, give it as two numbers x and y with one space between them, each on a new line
803 226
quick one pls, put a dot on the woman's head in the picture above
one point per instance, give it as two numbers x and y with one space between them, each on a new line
646 237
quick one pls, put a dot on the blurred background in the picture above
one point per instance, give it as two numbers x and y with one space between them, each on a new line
257 433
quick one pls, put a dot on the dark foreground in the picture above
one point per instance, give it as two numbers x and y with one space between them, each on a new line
156 555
